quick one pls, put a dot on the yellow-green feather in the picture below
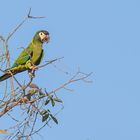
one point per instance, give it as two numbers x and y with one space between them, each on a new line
33 54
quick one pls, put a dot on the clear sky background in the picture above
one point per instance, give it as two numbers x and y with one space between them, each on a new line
102 36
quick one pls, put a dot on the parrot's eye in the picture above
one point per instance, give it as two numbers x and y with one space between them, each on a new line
41 33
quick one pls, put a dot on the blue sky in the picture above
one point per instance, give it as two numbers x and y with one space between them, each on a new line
99 36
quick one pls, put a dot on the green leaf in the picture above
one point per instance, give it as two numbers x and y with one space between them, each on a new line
58 100
33 91
43 112
29 97
47 101
52 102
45 117
33 86
54 119
28 110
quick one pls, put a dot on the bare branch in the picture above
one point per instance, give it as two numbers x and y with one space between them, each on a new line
22 22
72 80
34 17
50 62
2 39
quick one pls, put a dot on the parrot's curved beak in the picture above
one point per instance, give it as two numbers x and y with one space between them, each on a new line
46 38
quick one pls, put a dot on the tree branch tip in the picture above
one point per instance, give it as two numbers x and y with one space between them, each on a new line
90 73
87 75
33 17
59 58
50 62
29 12
71 90
2 38
37 17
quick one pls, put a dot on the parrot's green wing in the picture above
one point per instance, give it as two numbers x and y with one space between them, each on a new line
19 64
25 55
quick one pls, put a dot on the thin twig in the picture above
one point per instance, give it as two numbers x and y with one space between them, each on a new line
22 22
50 62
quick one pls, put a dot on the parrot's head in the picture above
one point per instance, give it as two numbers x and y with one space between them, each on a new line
42 36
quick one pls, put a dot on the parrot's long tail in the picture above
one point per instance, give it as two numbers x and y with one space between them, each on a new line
5 76
12 71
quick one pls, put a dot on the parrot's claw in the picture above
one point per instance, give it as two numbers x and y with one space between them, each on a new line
31 73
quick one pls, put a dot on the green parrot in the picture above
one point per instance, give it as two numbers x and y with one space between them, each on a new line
30 57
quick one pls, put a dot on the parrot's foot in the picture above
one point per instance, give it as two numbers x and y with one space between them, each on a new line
31 71
33 68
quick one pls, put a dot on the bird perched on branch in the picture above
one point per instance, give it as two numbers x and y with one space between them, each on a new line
30 57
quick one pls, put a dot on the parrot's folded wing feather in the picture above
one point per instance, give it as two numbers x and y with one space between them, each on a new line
25 55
